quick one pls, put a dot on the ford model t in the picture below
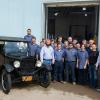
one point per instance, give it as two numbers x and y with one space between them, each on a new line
17 66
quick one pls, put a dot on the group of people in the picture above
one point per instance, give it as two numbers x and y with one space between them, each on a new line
69 61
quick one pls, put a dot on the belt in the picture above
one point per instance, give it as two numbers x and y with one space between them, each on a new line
47 59
70 61
58 60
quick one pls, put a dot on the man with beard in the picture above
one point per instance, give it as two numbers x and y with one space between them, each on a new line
47 54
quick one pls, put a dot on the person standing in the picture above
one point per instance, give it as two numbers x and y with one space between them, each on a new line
70 56
82 62
92 66
29 36
58 66
34 48
70 39
65 44
47 54
60 40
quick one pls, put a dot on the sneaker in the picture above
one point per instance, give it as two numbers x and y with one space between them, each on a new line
61 81
64 82
74 83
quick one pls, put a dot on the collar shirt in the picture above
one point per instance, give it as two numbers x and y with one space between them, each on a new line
82 57
47 53
58 54
34 49
28 38
70 54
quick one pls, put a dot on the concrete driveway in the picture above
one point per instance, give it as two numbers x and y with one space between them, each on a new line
56 91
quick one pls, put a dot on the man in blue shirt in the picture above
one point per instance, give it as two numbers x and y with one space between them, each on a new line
70 56
58 68
59 40
28 37
82 64
34 48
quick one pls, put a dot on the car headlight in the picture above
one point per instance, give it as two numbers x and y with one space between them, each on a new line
16 64
38 64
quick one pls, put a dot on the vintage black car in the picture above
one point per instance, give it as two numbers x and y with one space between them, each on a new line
17 66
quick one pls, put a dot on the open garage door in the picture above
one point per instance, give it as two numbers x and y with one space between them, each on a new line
80 22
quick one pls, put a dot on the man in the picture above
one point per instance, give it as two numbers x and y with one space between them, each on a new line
70 39
58 68
65 44
39 49
60 41
82 65
34 48
98 72
28 37
75 42
47 54
70 56
78 46
93 56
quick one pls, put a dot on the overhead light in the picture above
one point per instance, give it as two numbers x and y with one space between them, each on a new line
86 15
84 8
56 14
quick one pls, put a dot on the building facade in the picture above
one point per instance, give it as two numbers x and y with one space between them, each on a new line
18 15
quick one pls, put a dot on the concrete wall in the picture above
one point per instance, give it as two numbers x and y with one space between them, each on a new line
18 15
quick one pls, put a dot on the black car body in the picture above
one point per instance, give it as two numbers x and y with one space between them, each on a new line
17 66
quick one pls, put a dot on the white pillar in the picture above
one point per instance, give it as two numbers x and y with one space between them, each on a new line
99 30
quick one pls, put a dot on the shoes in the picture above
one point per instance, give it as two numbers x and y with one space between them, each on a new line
74 83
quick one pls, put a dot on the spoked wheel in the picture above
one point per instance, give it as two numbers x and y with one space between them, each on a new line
45 78
5 81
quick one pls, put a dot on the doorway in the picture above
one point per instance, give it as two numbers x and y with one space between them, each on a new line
80 22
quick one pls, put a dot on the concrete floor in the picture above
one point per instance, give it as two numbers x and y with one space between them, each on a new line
56 91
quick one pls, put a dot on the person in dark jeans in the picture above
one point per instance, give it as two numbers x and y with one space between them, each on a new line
58 66
92 66
70 56
82 65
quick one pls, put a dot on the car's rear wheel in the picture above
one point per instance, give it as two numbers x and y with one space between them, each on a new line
6 81
45 78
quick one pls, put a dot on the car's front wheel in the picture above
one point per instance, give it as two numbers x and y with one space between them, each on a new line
6 81
45 78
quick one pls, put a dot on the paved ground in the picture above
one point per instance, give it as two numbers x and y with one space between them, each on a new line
56 91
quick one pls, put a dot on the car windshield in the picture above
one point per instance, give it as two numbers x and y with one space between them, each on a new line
16 48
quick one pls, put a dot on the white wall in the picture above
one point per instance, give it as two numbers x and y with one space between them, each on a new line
67 0
18 15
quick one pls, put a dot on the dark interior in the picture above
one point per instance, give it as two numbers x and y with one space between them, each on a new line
73 21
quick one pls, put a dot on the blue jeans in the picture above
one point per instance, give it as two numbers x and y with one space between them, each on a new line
70 66
82 76
92 76
58 71
48 64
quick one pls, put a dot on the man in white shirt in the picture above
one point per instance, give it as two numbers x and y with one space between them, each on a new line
47 54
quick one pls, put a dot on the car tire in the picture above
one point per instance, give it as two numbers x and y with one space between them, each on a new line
6 81
45 83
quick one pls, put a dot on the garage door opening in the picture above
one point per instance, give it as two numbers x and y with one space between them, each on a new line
78 22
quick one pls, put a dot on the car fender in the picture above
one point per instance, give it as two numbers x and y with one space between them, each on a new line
8 67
